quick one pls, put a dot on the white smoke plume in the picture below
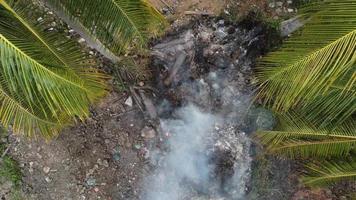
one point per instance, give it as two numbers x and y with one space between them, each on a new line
188 169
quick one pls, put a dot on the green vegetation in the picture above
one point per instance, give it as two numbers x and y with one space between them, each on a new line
116 24
10 170
46 80
10 173
10 177
310 84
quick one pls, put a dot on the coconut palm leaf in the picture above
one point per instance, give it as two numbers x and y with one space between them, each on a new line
45 81
331 109
29 88
115 23
298 139
330 172
51 49
312 64
311 82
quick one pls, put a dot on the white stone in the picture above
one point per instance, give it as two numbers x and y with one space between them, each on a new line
148 132
81 40
129 101
46 170
48 180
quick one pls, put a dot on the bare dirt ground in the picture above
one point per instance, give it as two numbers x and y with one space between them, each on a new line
97 159
103 157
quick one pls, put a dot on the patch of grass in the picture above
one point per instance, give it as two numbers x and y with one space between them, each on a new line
16 195
9 170
259 180
269 181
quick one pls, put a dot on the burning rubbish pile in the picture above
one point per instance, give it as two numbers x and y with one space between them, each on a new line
204 158
202 150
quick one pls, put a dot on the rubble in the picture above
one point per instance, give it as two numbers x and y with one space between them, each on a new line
148 132
206 72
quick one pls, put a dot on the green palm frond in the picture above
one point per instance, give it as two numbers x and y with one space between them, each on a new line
32 93
331 109
310 81
324 173
297 139
45 80
115 23
51 49
316 62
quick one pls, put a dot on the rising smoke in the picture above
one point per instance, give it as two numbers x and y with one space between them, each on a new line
205 155
206 159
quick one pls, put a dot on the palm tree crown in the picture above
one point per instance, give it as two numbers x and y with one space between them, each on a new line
46 80
310 81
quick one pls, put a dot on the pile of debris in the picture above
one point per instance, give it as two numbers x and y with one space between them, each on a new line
205 78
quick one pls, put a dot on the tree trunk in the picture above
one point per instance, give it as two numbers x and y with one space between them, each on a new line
84 33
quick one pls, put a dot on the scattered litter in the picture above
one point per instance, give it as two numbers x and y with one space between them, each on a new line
116 155
91 182
129 101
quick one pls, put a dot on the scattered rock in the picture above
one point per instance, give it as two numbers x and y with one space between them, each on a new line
91 182
81 40
272 5
46 170
148 132
99 161
137 146
105 163
220 34
221 22
48 179
129 101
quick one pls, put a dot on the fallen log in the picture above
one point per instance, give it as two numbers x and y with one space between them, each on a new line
202 13
150 108
289 26
173 72
172 43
